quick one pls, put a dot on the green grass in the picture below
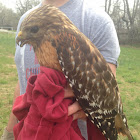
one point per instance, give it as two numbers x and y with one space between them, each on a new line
8 76
128 77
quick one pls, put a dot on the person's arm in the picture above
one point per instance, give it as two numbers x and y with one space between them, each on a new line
12 119
113 68
75 108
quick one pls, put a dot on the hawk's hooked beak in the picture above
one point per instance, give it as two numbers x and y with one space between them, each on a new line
21 40
20 33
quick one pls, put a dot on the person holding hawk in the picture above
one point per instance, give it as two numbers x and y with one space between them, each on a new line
93 23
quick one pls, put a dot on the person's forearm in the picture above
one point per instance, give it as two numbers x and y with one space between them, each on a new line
17 92
12 120
113 68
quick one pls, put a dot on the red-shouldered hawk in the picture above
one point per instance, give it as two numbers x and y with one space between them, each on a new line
59 45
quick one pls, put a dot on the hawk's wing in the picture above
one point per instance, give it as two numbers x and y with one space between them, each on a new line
91 78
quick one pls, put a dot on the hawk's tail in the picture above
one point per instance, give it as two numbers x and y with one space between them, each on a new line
122 127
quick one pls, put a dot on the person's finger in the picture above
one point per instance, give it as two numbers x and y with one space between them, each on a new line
75 107
68 92
79 115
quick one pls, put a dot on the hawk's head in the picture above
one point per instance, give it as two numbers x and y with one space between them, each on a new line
40 25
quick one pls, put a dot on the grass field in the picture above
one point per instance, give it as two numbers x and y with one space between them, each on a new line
128 77
8 76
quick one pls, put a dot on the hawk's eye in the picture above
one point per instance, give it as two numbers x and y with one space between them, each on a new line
34 29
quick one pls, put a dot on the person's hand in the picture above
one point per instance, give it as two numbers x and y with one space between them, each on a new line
75 108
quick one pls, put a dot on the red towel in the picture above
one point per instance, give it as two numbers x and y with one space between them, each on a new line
93 132
43 111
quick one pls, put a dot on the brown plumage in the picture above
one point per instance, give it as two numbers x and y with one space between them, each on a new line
58 44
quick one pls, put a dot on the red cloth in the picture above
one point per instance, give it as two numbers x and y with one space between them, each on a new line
93 132
43 111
